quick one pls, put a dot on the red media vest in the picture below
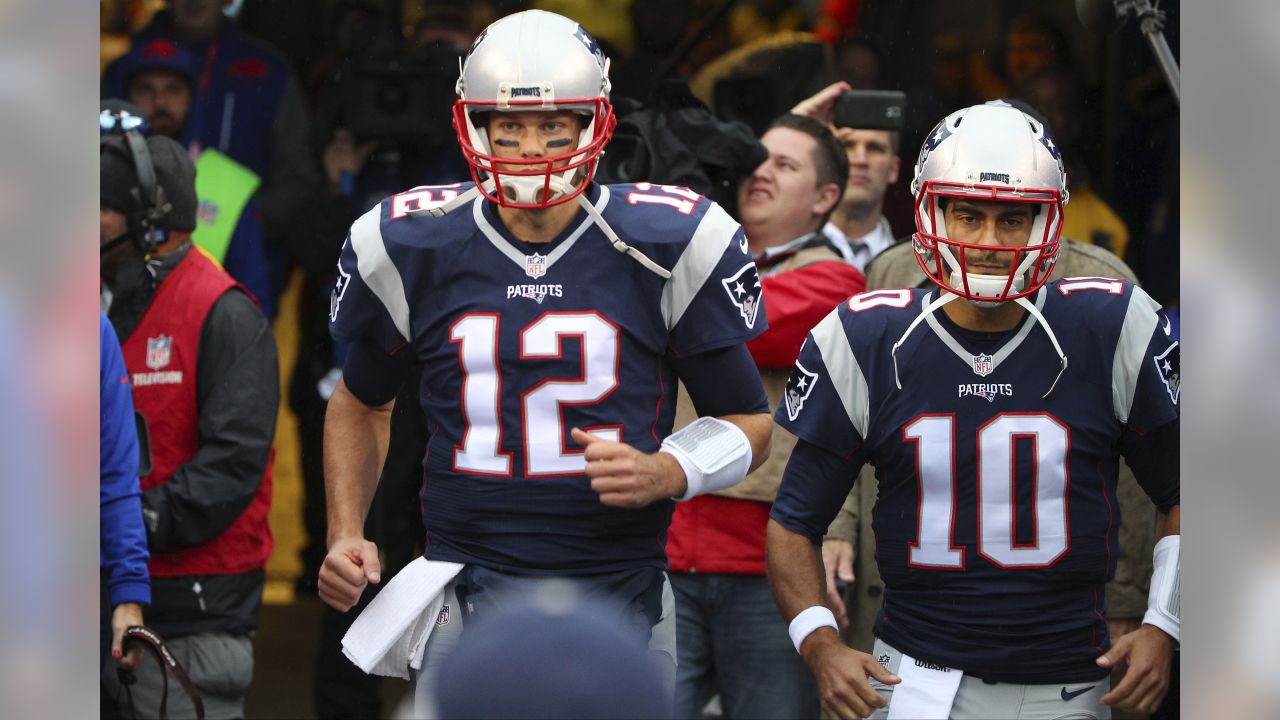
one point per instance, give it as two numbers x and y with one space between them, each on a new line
161 356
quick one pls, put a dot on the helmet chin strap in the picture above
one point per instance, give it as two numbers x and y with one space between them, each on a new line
1062 358
946 296
618 243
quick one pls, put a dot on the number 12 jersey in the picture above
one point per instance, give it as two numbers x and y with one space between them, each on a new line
521 342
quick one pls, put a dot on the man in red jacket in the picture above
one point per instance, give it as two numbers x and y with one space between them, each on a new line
202 363
729 633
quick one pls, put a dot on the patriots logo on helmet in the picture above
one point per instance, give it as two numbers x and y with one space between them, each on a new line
479 39
1169 366
940 133
1052 147
592 46
799 385
744 290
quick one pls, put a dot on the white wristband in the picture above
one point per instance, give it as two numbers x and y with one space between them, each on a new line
1163 602
715 454
807 621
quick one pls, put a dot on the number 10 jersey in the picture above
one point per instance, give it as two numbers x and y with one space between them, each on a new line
521 342
996 518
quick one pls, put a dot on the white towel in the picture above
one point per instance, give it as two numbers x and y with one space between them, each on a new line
926 691
391 631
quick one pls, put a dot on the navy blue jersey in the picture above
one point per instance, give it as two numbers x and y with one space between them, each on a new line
521 342
996 518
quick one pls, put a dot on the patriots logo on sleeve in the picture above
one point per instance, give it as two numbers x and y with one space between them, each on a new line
744 291
799 385
339 289
1169 366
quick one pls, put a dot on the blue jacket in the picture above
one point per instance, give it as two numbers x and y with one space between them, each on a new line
122 547
238 92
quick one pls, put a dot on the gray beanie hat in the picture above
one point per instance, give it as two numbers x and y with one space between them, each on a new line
175 173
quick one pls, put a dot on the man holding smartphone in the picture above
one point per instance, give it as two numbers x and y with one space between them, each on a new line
866 122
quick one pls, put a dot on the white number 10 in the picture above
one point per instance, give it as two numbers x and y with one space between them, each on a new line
934 436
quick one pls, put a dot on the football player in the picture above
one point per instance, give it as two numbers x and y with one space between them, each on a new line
552 317
994 409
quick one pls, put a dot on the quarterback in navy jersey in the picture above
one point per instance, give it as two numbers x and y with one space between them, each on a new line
996 446
552 317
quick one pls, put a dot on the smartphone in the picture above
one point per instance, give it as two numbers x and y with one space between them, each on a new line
871 109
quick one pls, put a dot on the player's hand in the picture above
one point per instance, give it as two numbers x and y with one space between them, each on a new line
625 477
352 563
837 558
821 105
842 674
123 617
1149 653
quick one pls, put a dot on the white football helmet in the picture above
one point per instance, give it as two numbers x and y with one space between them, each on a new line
989 152
533 60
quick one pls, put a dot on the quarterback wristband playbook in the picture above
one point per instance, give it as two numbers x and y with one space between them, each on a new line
807 621
1163 604
714 454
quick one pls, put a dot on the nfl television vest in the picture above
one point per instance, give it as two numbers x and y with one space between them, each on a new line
161 355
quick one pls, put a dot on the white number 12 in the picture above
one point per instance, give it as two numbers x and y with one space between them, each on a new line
542 425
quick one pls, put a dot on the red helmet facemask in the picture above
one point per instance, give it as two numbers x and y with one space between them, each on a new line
945 261
533 183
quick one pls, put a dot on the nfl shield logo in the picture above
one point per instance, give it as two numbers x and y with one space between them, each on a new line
982 365
442 617
158 351
535 265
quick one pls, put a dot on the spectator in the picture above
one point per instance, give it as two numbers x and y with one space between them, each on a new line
858 62
858 227
729 632
248 107
204 370
947 86
122 547
1054 92
1031 43
160 79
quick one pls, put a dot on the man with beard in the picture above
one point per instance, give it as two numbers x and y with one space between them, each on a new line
160 78
203 367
